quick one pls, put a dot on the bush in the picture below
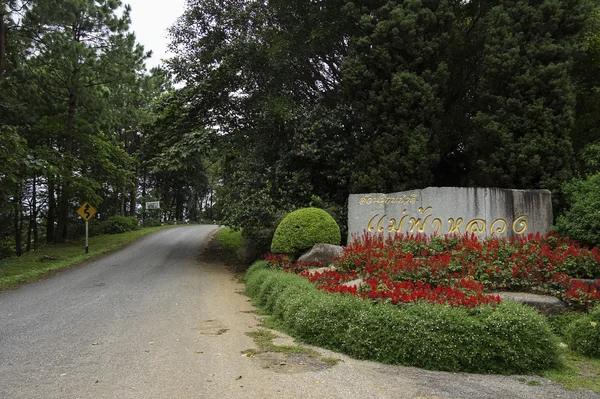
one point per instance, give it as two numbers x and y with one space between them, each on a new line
119 224
582 221
510 338
583 335
230 239
304 228
560 322
151 222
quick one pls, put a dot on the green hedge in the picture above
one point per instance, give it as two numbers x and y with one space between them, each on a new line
302 229
119 224
583 335
581 221
230 239
511 338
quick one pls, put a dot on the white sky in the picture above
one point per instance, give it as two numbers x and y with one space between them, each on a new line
150 20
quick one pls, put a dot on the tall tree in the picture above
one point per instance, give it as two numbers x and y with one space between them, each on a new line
256 70
78 50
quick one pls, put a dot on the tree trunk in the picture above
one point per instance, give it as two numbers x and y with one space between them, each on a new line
32 211
133 195
16 223
34 214
51 211
123 203
2 38
63 206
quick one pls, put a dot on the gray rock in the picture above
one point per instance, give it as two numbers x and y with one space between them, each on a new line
325 253
545 304
249 252
321 270
354 283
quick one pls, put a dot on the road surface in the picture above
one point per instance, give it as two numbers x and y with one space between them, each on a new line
155 320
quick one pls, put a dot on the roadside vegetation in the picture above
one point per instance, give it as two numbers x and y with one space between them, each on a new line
230 239
508 338
49 259
430 302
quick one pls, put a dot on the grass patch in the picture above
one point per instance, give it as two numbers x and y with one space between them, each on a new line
48 259
264 341
230 239
578 372
330 361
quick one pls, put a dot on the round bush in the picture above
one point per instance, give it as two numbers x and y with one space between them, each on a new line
583 335
304 228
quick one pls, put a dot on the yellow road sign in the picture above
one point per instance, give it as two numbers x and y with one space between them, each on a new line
86 211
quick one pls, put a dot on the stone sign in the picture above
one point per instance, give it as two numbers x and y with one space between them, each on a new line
485 212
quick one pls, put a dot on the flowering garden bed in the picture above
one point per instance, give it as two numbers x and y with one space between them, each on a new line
459 271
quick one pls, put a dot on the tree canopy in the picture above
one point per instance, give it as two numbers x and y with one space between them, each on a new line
313 100
274 105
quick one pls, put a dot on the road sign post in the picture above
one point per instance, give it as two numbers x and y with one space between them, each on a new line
86 211
86 237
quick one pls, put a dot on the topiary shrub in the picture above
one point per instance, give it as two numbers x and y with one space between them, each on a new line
583 335
119 224
304 228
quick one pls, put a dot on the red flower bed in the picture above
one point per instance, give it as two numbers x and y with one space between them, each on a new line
460 271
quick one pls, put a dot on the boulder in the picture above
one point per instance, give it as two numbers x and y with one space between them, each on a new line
249 252
325 253
321 270
545 304
354 283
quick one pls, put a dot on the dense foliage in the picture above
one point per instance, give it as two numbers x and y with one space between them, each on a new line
583 334
319 99
119 224
459 271
582 220
282 105
304 228
230 239
508 338
78 123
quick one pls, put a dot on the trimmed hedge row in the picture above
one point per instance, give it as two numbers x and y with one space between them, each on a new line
511 338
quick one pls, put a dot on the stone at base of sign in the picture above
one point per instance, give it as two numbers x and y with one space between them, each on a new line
485 212
322 253
545 304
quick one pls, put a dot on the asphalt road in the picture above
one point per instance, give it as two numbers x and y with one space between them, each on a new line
155 320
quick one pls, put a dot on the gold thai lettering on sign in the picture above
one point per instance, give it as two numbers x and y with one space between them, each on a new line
439 223
520 225
387 199
419 224
392 227
476 226
370 227
455 225
498 227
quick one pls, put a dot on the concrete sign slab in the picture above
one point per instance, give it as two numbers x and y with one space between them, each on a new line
485 212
